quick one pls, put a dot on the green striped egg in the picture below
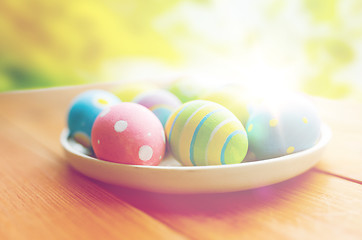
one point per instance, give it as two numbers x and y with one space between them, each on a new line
205 133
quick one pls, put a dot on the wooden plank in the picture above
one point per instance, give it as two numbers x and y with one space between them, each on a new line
344 114
42 198
311 206
41 113
343 154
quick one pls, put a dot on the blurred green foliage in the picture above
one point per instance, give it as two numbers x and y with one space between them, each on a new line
322 10
331 51
47 43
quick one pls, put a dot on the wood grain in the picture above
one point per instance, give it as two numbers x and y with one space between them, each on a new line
343 156
311 206
43 198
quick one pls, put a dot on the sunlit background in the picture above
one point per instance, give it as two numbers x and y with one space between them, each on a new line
310 45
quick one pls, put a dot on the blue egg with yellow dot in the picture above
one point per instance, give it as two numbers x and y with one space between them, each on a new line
84 110
283 126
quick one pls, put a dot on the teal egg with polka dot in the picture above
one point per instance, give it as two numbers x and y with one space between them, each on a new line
83 111
282 126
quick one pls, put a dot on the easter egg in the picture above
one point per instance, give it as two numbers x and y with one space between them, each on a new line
161 102
279 127
231 98
83 111
128 92
206 133
187 90
128 133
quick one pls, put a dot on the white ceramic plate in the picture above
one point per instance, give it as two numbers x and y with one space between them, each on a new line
170 177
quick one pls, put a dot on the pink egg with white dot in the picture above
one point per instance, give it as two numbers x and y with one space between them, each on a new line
128 133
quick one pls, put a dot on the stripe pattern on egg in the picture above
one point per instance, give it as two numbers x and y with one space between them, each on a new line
205 133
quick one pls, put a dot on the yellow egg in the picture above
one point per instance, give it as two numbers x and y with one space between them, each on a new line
129 91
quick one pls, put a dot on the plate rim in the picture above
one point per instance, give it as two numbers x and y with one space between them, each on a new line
326 135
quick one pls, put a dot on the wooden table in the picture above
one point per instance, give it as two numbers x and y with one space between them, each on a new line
41 197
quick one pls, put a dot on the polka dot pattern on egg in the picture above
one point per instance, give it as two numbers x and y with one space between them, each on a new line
290 150
102 101
273 122
120 126
250 127
285 127
145 153
305 120
129 133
